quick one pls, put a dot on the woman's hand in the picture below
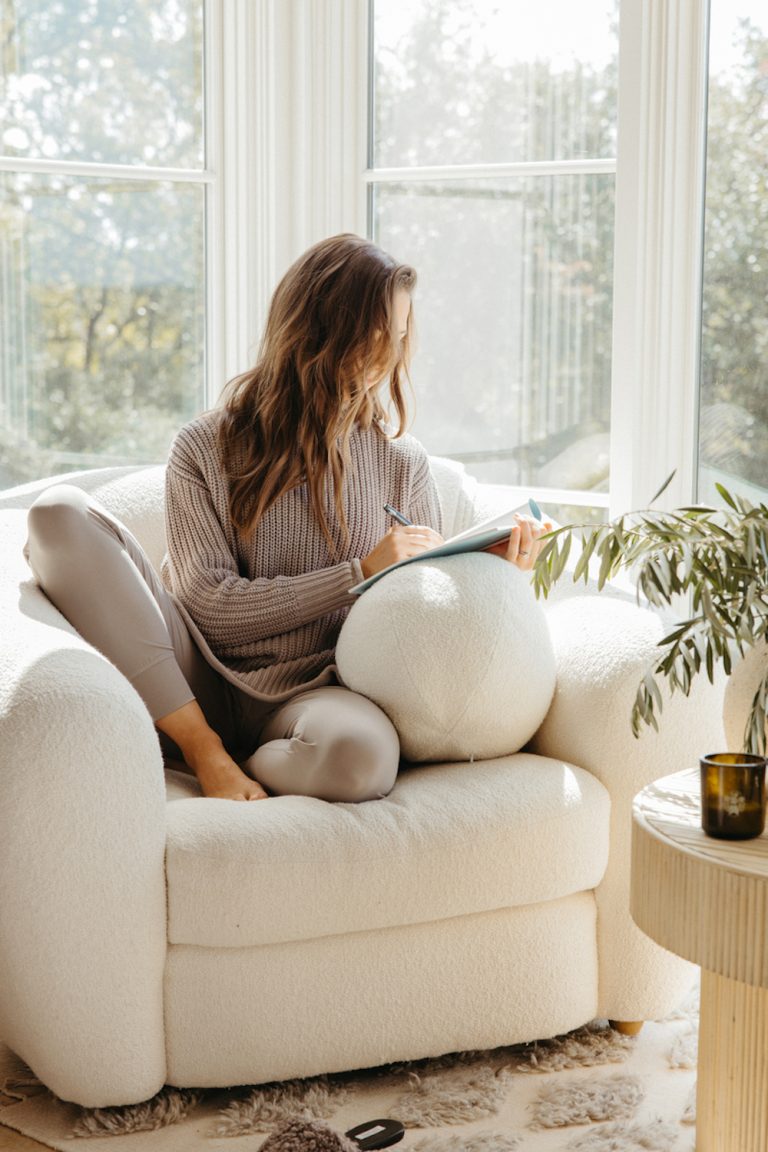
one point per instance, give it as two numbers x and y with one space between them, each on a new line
400 543
524 543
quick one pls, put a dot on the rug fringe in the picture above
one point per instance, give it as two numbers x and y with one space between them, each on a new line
453 1096
654 1137
274 1104
476 1142
22 1086
168 1106
587 1101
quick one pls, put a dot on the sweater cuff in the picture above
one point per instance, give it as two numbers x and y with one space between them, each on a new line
328 589
357 577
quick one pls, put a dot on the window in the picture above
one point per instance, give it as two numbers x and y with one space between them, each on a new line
542 166
733 425
491 168
103 203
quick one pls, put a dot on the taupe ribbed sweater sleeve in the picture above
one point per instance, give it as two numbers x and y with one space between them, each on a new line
232 610
271 603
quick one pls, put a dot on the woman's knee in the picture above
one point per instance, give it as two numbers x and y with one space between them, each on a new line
329 743
362 764
57 519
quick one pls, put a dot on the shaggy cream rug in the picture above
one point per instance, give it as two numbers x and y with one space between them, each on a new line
589 1091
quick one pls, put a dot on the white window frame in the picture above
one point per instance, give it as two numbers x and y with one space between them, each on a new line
293 118
658 259
295 109
286 164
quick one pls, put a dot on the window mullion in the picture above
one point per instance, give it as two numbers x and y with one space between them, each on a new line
90 170
293 146
658 249
328 83
434 173
232 216
214 264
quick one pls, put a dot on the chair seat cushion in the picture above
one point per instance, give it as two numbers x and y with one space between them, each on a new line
449 840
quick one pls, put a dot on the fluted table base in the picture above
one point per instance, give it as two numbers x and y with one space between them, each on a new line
732 1085
707 900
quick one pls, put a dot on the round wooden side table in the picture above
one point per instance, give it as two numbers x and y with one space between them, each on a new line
707 900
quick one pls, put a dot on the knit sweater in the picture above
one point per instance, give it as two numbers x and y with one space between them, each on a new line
266 607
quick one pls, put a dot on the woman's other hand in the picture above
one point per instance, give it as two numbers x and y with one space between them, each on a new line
400 543
524 543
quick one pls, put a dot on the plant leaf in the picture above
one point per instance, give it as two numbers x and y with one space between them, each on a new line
664 486
727 496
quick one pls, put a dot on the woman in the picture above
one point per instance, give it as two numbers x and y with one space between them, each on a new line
274 510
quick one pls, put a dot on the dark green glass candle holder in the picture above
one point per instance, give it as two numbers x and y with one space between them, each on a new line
733 795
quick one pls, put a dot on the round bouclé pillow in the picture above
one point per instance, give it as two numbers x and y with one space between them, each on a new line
457 652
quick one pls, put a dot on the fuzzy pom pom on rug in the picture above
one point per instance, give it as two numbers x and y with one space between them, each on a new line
308 1136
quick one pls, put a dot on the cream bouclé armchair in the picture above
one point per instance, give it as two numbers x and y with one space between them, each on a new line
149 935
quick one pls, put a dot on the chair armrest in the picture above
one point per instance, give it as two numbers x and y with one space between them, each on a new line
465 500
603 646
82 843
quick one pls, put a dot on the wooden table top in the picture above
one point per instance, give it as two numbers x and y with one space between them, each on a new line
672 808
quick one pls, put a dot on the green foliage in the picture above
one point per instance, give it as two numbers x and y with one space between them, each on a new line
734 351
102 319
714 558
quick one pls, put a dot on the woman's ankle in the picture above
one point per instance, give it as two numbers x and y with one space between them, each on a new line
203 751
191 733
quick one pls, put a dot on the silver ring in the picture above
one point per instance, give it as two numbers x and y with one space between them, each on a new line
521 553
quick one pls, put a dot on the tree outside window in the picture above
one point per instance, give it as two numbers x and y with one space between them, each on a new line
102 208
515 299
733 432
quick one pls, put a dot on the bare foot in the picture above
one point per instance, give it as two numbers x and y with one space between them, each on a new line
223 780
218 774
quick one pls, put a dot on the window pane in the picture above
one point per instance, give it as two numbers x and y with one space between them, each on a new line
114 81
734 370
479 81
101 321
513 315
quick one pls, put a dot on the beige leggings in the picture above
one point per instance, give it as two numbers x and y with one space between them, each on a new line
327 742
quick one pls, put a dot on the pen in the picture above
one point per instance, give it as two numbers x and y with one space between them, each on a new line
393 512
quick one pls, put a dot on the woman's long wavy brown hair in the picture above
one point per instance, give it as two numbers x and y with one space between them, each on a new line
330 329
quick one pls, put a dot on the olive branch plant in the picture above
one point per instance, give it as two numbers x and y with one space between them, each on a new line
717 558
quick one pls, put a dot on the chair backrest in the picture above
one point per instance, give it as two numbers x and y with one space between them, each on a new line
134 495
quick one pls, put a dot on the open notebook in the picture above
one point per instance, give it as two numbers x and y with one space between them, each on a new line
475 539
